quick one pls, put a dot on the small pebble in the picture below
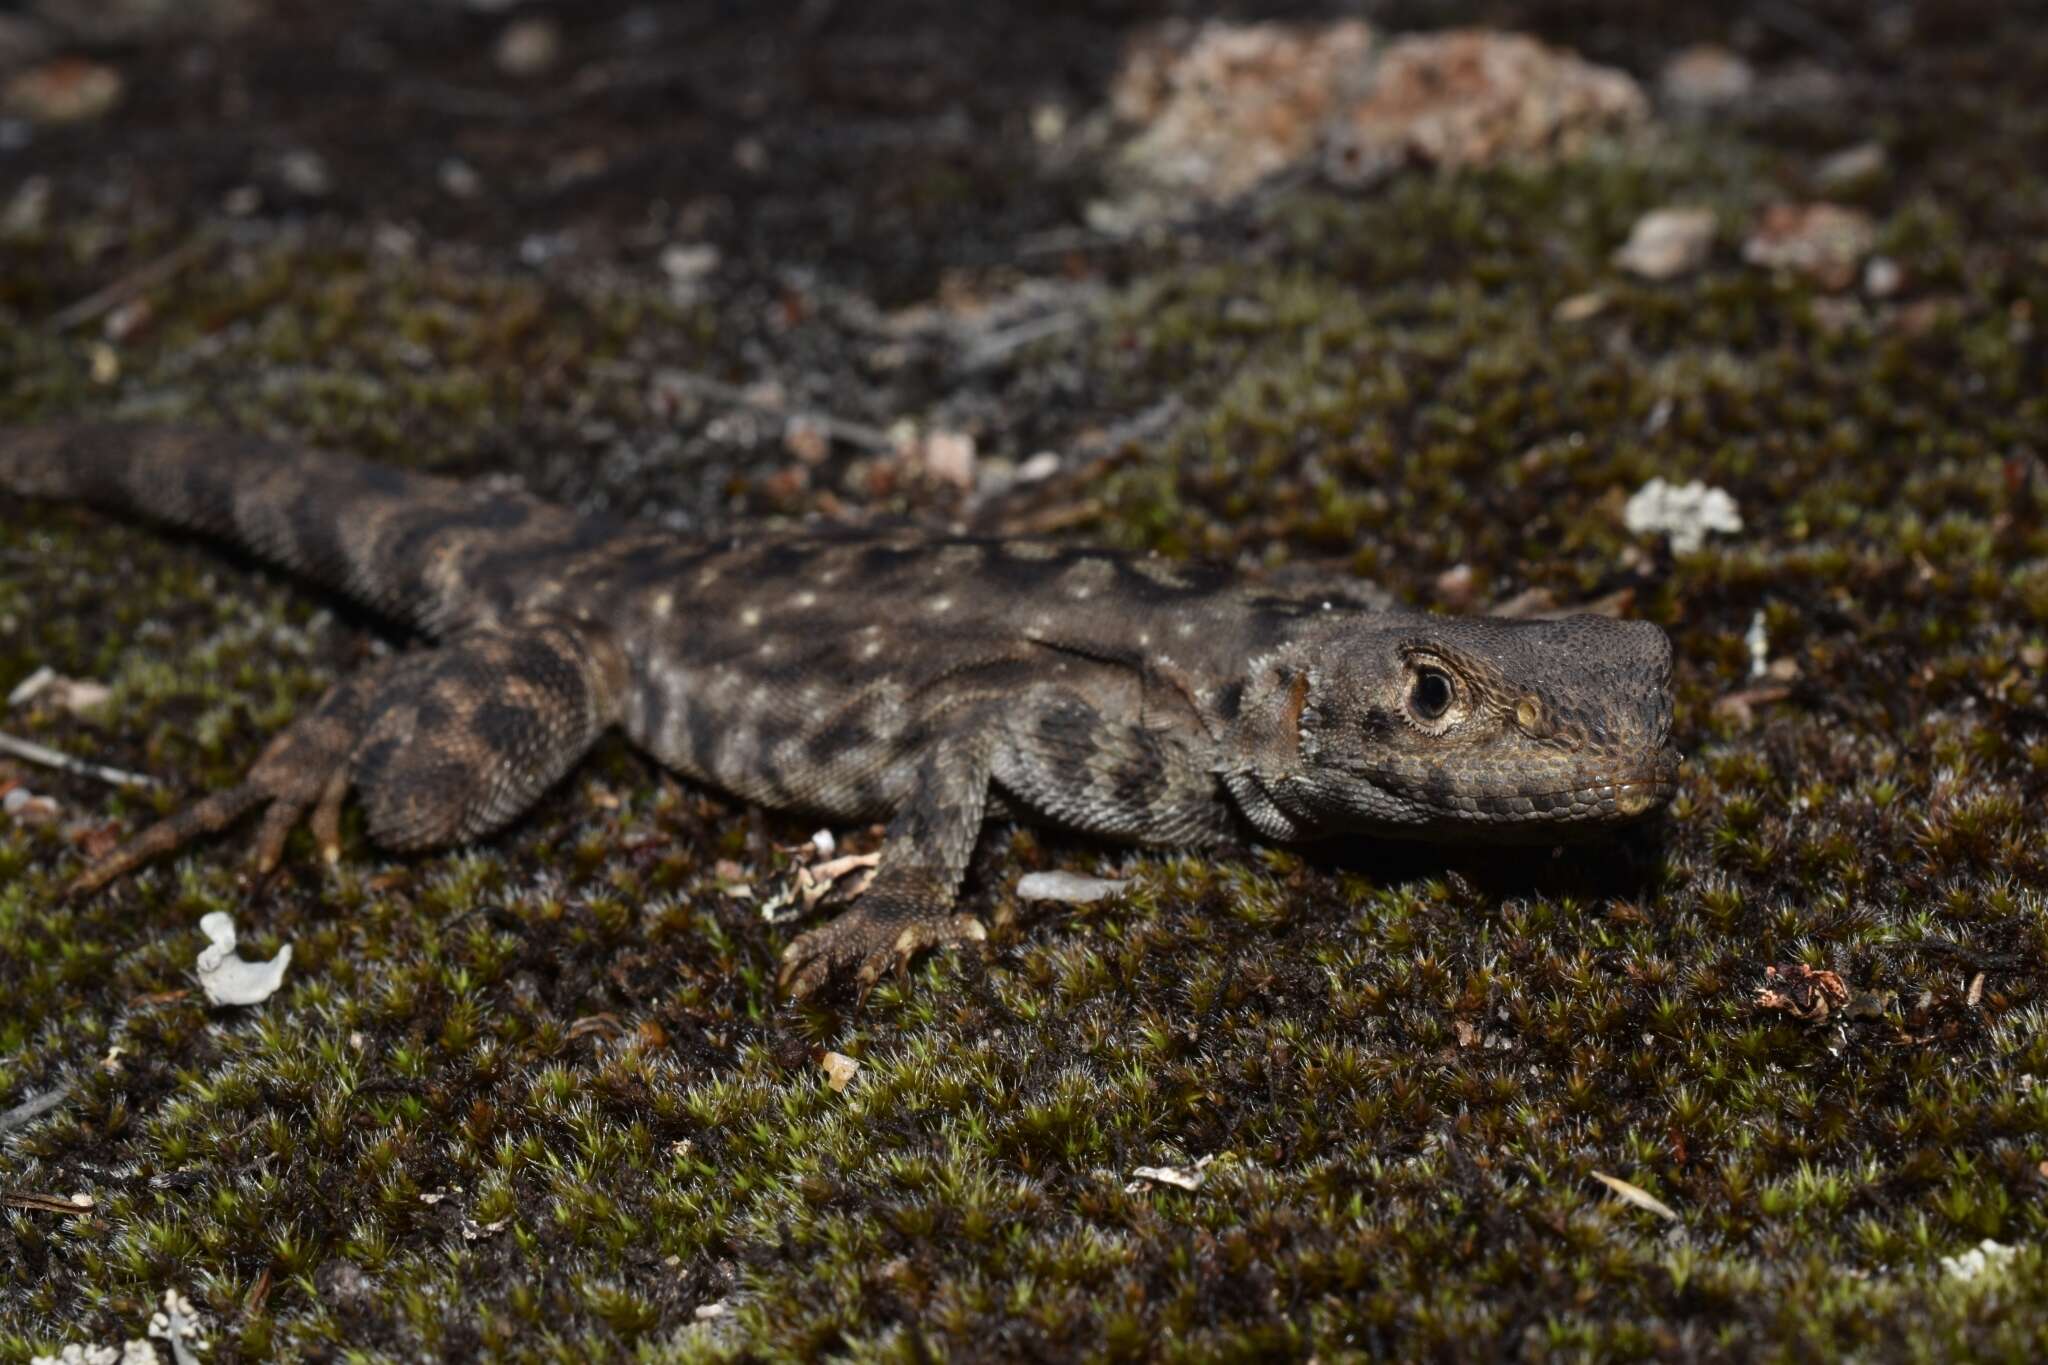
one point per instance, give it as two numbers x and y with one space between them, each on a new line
1706 76
68 90
1666 243
529 47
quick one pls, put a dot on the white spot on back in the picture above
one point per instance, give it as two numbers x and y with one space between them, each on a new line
751 616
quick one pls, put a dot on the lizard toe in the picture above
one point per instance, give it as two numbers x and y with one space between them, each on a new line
868 946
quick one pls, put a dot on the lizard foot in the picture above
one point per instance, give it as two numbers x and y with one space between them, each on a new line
304 769
441 745
868 941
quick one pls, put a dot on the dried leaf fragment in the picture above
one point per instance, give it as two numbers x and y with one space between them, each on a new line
1637 1195
1802 992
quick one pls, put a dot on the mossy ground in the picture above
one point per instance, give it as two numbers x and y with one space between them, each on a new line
539 1097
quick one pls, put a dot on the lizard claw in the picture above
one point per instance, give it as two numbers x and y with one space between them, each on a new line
869 942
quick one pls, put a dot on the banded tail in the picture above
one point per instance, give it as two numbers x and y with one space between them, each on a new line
408 544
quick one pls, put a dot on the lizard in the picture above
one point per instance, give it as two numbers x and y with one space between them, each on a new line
929 682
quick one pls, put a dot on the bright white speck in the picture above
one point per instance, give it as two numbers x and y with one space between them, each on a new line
751 616
1684 512
1759 642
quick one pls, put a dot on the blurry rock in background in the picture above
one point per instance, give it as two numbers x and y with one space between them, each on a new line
1216 109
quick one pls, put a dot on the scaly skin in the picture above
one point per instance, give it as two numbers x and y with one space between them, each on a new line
925 681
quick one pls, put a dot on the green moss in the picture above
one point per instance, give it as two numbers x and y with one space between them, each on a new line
538 1098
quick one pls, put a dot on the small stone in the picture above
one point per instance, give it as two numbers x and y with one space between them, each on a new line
528 47
688 262
1851 169
460 179
1666 243
1822 241
124 322
806 438
1579 307
304 172
1455 586
949 457
1883 277
1039 467
105 364
28 209
68 90
1705 77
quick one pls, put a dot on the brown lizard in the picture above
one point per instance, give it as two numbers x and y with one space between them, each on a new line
927 681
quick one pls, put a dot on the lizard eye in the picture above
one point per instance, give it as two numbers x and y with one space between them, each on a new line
1431 696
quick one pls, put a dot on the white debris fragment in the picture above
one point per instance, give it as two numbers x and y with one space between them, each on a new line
1180 1177
133 1352
231 980
839 1069
1759 642
1039 467
70 694
1684 512
824 843
706 1312
177 1322
1987 1255
1069 887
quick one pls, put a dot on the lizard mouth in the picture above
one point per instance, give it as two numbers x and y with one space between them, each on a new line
1585 800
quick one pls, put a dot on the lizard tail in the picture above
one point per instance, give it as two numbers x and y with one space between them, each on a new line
397 540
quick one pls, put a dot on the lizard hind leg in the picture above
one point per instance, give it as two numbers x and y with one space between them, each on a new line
441 745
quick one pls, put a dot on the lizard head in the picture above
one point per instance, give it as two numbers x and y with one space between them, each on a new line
1451 728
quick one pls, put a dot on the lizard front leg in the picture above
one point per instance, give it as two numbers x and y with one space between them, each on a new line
908 907
441 744
1048 752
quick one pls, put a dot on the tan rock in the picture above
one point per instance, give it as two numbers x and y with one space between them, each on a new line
1222 106
1666 243
68 90
1473 97
1824 242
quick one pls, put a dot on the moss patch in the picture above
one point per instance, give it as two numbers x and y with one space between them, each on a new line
538 1098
